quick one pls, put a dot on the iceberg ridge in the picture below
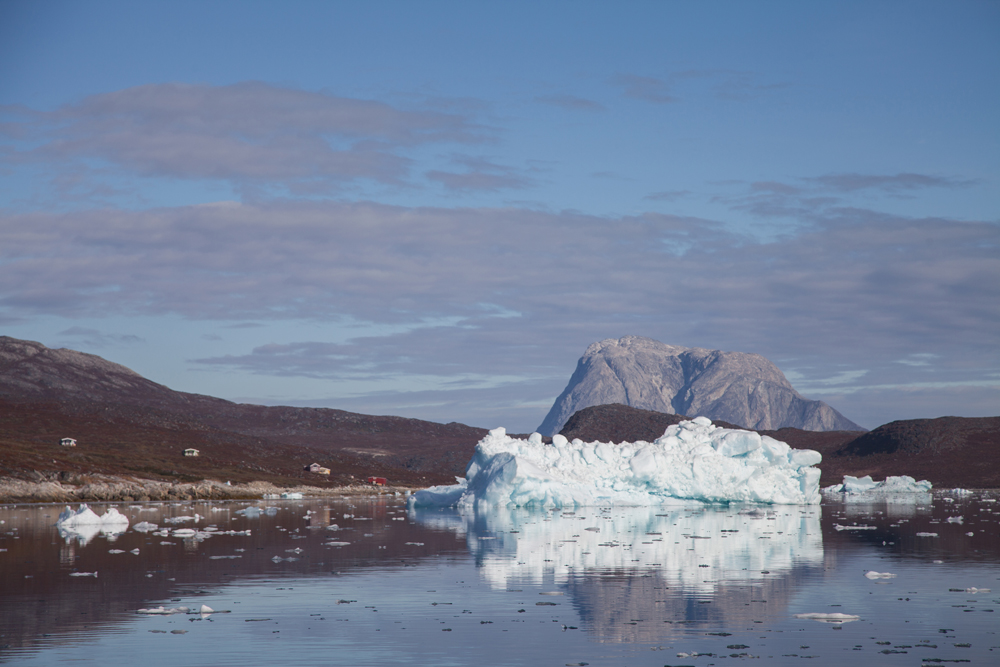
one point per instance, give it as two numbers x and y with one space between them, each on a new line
693 460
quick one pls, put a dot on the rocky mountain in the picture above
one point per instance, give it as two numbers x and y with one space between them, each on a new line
736 387
47 394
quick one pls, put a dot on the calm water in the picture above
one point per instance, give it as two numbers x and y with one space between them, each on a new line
365 582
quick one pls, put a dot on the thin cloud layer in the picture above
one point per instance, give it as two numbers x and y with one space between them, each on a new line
248 132
494 292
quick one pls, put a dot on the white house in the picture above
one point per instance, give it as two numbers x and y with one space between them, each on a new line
191 451
68 442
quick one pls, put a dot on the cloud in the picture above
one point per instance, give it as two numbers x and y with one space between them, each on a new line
571 102
644 88
246 133
667 195
480 174
96 338
853 182
850 289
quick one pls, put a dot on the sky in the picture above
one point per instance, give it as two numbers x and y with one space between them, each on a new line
432 209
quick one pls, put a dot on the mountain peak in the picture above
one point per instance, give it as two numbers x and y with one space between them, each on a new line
737 387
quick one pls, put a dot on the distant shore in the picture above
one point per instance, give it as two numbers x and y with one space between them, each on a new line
116 489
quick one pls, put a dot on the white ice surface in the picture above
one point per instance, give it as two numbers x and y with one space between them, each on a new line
854 486
693 460
84 524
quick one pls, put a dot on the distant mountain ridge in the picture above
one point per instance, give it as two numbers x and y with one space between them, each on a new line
737 387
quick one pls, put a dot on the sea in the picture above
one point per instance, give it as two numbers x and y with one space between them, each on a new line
911 580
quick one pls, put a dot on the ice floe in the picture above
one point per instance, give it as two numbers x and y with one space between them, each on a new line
145 527
872 574
84 524
853 486
830 618
693 460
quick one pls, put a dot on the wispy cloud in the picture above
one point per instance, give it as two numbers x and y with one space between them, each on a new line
95 338
481 174
245 133
853 182
645 88
571 102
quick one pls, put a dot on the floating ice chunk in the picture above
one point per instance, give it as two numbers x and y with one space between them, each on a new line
116 551
185 532
830 618
84 524
927 534
285 495
145 527
890 485
83 574
872 574
134 551
336 544
969 534
182 519
956 519
972 590
84 516
163 611
838 527
694 460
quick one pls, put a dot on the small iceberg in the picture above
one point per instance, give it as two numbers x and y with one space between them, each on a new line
163 611
84 516
853 486
830 618
145 527
872 574
84 524
692 461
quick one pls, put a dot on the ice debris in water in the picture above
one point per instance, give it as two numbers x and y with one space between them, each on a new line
693 460
830 618
83 574
84 516
163 611
890 485
872 574
145 527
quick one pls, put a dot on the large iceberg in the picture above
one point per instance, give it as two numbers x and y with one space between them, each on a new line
693 460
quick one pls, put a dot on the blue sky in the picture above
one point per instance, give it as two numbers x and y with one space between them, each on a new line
431 209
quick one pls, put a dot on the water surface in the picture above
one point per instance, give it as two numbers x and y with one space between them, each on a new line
364 581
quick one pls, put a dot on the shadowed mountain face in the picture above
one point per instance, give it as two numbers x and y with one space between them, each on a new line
118 416
743 389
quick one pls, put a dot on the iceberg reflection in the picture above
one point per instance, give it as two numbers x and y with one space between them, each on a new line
633 572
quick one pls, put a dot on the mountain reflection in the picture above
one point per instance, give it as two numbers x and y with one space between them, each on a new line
632 573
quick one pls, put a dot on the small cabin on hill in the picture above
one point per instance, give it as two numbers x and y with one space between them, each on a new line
191 451
68 442
378 481
317 468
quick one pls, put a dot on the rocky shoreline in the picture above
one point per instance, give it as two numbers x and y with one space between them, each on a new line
118 489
